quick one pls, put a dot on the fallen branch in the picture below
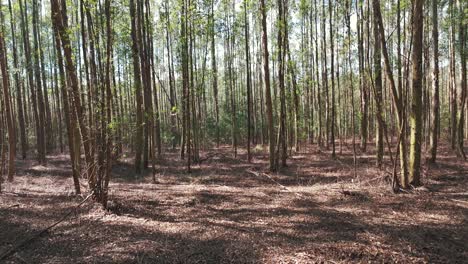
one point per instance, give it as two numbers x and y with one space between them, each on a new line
11 206
23 243
273 180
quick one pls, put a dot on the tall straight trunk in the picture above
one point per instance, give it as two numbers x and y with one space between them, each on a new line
230 62
281 66
214 71
172 94
248 80
69 120
295 91
186 81
351 87
9 115
48 132
137 84
435 84
146 81
416 101
362 79
453 82
463 89
266 75
156 120
108 113
19 97
29 69
332 71
40 96
317 76
325 77
378 89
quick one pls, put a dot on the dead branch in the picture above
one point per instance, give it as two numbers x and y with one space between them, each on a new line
23 243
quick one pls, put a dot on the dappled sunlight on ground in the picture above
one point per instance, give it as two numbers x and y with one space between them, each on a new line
229 211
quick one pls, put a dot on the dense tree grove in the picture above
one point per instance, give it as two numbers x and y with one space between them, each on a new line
101 80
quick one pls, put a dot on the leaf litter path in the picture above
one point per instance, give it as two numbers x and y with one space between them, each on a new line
224 213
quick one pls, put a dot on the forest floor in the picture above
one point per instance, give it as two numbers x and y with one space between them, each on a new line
230 211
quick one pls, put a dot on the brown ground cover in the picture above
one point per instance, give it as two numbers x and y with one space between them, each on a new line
229 211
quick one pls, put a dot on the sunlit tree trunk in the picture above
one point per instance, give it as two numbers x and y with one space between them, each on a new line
266 75
19 95
435 83
9 115
416 99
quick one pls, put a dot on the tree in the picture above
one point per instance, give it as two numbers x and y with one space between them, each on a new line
248 80
332 72
186 82
9 115
38 118
136 39
416 101
214 70
397 98
69 115
378 89
460 122
266 76
60 23
435 84
39 89
19 95
282 147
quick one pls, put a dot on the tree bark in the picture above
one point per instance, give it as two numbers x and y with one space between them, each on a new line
416 100
266 75
435 84
9 115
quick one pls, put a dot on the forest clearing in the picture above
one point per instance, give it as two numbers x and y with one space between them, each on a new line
233 131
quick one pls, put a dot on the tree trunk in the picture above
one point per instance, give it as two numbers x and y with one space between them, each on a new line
266 75
248 80
59 19
378 87
463 89
9 115
416 100
137 84
19 97
435 84
69 120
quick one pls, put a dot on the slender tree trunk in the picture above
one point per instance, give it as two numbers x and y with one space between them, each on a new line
453 86
281 66
362 80
378 87
69 120
59 19
9 115
186 81
137 84
463 89
40 96
19 97
332 71
416 101
435 83
29 69
348 21
214 71
249 80
266 75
